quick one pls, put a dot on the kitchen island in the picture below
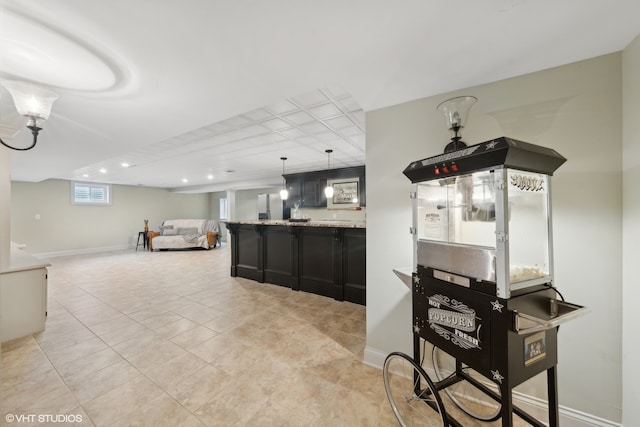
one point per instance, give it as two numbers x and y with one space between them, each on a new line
23 286
322 257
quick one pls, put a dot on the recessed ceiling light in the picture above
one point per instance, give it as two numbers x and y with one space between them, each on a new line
124 164
185 180
85 175
103 170
209 176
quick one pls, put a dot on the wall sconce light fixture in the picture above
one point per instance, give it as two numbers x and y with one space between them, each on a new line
455 112
32 102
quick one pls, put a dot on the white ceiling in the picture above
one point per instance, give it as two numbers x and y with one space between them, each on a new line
215 92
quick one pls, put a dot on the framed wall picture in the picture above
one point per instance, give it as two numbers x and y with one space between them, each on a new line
346 193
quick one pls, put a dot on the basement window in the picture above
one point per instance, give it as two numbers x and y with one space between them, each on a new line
85 193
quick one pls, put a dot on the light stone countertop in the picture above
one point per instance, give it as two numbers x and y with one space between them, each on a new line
20 261
310 223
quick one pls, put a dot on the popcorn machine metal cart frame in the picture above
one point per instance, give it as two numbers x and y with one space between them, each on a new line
482 285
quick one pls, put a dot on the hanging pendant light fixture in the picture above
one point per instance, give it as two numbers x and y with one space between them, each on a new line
328 190
32 102
284 193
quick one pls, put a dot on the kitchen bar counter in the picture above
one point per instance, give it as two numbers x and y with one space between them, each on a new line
310 223
322 257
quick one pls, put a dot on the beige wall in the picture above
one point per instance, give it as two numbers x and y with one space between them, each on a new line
575 109
214 209
631 232
64 227
5 202
246 203
214 203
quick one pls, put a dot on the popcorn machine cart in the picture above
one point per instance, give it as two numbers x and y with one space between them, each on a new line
483 292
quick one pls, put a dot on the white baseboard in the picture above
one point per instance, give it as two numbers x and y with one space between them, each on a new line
532 405
374 357
82 251
45 255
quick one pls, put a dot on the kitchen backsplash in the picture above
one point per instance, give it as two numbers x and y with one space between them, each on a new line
323 214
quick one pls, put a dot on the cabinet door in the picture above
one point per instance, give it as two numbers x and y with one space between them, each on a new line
312 193
23 304
295 192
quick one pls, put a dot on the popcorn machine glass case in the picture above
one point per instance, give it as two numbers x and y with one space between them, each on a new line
497 220
484 212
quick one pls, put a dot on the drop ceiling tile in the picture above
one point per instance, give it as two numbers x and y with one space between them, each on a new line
339 122
257 142
299 118
183 139
287 145
219 139
307 140
226 149
314 128
203 132
275 124
349 104
258 115
253 130
358 140
325 110
235 135
327 136
219 127
346 149
282 107
271 138
236 122
275 137
291 132
351 131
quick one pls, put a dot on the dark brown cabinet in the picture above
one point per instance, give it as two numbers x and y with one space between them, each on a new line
329 261
295 192
313 193
307 188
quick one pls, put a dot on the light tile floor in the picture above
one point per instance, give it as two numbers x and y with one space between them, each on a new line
169 338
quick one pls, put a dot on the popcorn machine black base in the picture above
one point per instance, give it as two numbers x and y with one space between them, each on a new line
476 329
482 285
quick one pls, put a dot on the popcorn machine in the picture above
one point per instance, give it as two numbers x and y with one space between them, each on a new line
483 289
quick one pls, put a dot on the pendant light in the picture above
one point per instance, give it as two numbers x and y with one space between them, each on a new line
328 190
284 193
